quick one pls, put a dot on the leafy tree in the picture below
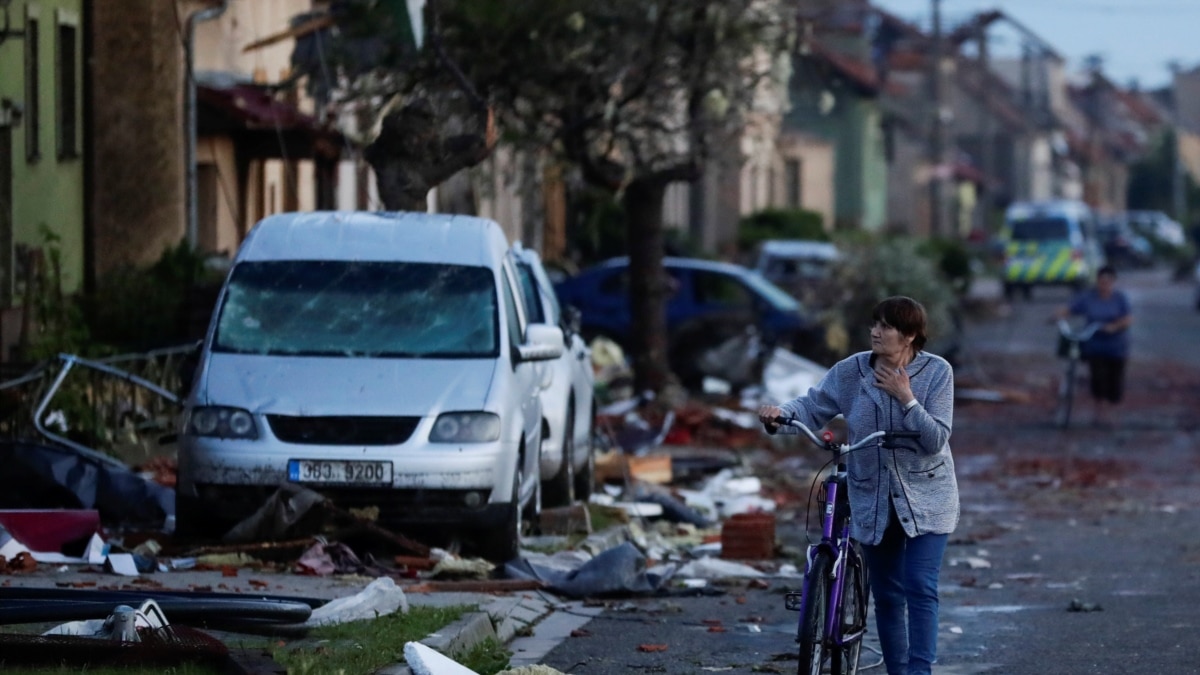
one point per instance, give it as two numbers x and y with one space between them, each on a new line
1152 179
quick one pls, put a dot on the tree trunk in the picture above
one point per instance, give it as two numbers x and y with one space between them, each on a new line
649 284
401 156
400 188
411 156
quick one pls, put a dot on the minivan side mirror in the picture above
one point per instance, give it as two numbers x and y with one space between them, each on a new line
543 342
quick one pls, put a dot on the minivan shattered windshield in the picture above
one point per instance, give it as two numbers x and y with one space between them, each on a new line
359 309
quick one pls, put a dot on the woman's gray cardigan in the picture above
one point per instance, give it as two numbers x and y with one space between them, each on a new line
917 476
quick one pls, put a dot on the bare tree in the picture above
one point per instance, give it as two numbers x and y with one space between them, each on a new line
637 94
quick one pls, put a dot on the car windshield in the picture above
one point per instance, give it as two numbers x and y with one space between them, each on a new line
359 309
1040 229
779 298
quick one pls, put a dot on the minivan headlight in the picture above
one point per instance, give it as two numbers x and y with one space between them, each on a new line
466 427
220 422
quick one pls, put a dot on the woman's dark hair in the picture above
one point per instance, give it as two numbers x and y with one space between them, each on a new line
905 315
1107 270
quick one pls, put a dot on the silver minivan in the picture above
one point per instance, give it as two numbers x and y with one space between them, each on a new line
383 359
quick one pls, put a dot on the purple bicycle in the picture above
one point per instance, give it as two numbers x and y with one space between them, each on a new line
833 597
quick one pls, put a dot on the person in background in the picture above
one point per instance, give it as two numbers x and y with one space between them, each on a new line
1107 351
903 500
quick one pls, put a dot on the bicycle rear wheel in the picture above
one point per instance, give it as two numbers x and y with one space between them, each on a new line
813 648
852 612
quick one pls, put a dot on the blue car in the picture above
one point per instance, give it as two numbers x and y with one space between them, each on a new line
708 299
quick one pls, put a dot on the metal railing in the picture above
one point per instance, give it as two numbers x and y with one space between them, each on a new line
94 405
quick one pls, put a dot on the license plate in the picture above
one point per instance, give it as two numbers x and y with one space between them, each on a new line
332 471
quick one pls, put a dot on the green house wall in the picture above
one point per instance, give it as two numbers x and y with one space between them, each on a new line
49 190
852 124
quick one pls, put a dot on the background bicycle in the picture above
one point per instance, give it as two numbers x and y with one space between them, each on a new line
1070 346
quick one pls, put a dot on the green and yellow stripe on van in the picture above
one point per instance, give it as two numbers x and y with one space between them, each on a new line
1029 263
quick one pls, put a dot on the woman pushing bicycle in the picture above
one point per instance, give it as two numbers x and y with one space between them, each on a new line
904 499
1107 351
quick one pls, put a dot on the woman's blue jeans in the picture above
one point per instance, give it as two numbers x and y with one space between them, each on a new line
904 580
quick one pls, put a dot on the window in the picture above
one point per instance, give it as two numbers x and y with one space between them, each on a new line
207 184
33 116
529 293
792 176
1041 229
719 289
516 336
349 309
67 86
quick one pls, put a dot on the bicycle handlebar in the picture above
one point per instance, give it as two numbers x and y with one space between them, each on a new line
826 438
1082 335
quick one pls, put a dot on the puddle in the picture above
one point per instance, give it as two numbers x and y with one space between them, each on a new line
974 610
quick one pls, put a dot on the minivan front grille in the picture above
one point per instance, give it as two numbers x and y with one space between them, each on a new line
342 430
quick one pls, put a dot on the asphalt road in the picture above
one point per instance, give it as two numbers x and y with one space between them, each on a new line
1077 552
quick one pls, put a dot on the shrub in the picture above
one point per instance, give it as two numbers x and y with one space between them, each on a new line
876 268
953 260
779 224
137 309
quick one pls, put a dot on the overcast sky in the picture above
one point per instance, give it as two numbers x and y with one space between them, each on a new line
1137 38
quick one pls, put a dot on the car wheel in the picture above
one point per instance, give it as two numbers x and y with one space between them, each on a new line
560 490
533 512
502 543
585 479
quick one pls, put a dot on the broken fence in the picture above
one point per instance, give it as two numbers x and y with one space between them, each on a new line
96 405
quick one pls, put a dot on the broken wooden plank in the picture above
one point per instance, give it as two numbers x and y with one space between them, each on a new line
306 28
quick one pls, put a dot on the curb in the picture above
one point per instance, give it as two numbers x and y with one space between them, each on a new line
503 620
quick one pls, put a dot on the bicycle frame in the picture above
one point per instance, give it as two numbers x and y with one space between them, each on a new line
835 538
836 546
838 543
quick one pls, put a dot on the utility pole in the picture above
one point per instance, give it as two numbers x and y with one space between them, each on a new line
1178 172
936 149
987 145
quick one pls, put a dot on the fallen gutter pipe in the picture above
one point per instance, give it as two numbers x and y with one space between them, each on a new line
201 612
137 597
193 217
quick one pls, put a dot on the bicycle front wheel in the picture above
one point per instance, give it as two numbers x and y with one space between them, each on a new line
813 646
1067 396
852 613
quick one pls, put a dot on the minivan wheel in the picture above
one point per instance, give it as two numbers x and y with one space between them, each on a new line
560 490
585 479
502 543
